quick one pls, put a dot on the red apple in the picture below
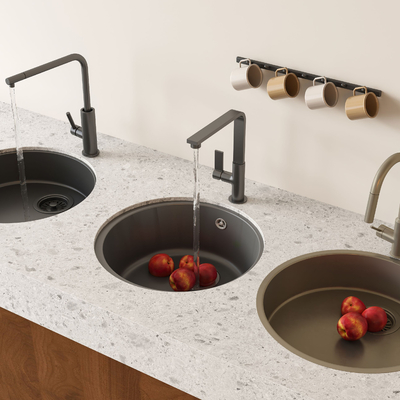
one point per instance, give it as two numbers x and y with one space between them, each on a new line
352 326
352 304
161 265
376 318
182 279
207 274
187 262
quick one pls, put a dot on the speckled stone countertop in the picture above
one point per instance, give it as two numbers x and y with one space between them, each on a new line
209 343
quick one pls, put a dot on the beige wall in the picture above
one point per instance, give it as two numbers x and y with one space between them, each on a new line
160 69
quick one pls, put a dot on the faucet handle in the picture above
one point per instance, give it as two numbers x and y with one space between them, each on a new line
70 119
75 129
218 164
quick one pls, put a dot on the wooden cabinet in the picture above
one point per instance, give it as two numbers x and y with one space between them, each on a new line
38 364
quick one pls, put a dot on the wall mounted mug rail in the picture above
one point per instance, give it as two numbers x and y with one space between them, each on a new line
307 75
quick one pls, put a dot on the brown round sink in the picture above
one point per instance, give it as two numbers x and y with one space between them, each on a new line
299 304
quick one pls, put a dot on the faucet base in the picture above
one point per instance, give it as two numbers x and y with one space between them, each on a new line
237 201
91 155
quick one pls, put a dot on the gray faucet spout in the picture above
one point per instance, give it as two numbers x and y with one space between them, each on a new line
12 80
377 185
88 131
239 117
237 177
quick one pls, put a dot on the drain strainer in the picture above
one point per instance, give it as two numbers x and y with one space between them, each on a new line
53 204
390 327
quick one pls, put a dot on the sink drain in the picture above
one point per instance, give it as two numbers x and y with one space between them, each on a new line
53 204
390 327
220 223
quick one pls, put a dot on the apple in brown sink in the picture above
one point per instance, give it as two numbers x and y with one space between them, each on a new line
352 304
352 326
376 318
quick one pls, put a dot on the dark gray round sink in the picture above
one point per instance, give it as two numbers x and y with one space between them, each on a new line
56 182
126 243
299 304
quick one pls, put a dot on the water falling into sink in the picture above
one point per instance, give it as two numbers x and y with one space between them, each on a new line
196 223
196 216
20 157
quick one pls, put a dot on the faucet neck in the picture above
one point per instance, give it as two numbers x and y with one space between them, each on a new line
239 140
377 185
382 172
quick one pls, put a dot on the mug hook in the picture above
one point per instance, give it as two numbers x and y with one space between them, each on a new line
361 87
247 59
317 79
281 69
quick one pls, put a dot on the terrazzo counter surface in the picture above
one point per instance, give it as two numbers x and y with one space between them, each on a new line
208 343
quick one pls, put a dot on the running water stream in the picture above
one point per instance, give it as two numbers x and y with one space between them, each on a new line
20 157
196 216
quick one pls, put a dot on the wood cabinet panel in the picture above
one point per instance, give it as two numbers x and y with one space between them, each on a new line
38 364
18 368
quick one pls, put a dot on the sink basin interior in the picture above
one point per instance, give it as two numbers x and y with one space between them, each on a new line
125 245
299 304
56 182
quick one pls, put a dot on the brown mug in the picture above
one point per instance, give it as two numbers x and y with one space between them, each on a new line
363 105
283 86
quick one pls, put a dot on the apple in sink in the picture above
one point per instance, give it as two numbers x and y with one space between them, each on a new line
376 318
161 264
207 274
182 280
352 304
352 326
187 262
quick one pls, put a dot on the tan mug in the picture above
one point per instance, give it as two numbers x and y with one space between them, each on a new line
320 96
249 77
283 86
363 105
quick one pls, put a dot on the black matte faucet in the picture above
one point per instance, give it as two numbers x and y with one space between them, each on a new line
236 178
87 132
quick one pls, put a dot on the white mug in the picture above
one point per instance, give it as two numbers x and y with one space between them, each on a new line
248 77
320 96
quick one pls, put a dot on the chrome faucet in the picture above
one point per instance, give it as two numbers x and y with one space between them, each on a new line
236 177
87 132
384 232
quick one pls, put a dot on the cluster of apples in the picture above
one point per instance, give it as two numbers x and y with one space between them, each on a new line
183 278
357 319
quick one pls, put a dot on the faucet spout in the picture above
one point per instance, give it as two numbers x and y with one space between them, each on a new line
237 177
88 130
377 185
202 135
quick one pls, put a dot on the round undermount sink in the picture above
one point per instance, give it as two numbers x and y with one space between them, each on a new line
228 240
55 183
299 304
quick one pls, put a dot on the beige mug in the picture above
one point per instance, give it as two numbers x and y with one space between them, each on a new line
283 86
320 96
363 105
248 77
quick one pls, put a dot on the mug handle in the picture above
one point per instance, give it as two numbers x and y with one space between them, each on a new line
281 69
320 77
361 87
247 59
